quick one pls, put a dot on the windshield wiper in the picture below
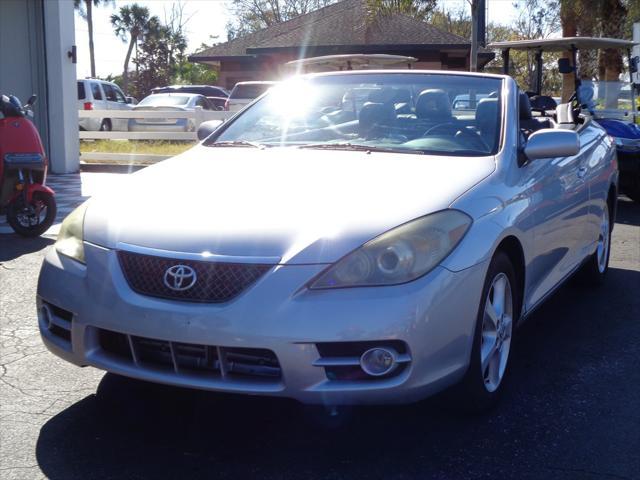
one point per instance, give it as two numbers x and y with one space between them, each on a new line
359 148
236 143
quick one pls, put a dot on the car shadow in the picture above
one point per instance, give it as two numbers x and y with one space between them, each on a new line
13 246
131 429
628 212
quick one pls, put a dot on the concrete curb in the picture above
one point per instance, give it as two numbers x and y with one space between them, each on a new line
110 167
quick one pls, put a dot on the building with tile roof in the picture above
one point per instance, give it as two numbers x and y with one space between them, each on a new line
340 28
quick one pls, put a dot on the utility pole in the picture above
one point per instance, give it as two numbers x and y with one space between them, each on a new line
478 30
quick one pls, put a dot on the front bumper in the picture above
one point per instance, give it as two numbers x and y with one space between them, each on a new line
433 316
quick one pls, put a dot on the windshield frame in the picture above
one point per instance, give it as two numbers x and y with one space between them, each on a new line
501 114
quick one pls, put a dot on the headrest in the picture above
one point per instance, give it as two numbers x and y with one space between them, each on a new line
433 104
487 113
374 115
381 95
525 107
543 102
402 95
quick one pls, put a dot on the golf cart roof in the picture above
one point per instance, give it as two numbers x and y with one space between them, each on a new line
351 62
563 44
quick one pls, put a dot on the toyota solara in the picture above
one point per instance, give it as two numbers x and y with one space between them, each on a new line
347 238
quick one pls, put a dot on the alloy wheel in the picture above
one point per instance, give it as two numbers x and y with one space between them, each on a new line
497 325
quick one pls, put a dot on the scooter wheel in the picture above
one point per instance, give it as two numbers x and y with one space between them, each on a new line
20 216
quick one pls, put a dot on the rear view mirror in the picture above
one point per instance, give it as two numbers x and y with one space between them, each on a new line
549 143
564 66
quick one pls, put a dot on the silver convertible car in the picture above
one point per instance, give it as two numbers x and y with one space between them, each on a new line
347 238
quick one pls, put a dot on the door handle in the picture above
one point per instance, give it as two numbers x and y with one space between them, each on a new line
582 171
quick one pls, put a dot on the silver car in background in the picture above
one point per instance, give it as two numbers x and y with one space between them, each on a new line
243 93
334 256
168 102
96 94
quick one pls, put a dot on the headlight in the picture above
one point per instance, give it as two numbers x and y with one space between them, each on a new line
70 238
399 255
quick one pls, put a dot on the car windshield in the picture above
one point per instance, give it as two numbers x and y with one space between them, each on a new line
610 99
412 113
162 99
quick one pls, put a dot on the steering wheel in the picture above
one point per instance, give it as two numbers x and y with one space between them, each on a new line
450 128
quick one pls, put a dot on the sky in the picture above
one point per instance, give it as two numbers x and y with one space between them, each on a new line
206 18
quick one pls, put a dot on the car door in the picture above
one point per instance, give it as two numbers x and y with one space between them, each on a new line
121 100
561 204
115 101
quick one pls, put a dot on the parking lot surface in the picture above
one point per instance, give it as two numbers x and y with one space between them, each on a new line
571 409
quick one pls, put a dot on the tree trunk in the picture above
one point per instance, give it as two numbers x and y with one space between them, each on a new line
125 72
89 4
569 29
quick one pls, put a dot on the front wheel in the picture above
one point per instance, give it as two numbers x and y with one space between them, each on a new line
593 272
493 337
33 219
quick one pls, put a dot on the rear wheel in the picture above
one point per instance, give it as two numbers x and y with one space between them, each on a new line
493 338
105 126
33 219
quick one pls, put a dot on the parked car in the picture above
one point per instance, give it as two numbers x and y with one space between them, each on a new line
95 94
217 96
377 260
168 102
244 93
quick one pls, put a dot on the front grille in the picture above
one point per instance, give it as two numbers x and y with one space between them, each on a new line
215 283
215 361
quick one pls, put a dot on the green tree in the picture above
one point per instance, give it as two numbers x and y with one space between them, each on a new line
161 53
85 9
131 23
253 15
419 9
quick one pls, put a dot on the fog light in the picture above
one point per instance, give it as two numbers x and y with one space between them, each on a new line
378 361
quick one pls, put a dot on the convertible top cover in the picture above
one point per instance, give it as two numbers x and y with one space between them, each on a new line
562 44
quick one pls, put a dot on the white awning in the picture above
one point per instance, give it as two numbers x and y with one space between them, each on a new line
350 62
563 44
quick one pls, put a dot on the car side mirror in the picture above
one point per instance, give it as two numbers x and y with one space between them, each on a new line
549 143
564 66
31 101
207 128
129 100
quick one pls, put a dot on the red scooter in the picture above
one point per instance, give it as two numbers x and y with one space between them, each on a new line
29 204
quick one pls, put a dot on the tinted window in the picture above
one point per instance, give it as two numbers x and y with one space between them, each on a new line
95 89
81 94
109 92
120 96
249 91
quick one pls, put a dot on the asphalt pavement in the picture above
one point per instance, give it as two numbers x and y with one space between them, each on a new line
571 409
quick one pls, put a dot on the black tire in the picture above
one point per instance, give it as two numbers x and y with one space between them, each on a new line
17 207
474 393
594 271
105 126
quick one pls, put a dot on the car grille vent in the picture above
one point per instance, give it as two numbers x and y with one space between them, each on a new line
178 357
214 282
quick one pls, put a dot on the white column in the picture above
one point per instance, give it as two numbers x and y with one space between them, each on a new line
61 85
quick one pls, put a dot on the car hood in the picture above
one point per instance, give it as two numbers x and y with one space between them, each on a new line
619 128
287 205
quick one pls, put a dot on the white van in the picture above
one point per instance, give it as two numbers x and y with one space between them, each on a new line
95 94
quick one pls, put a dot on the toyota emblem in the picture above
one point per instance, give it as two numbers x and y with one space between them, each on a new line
180 277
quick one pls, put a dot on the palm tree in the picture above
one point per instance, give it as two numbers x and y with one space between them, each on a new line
85 9
132 21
